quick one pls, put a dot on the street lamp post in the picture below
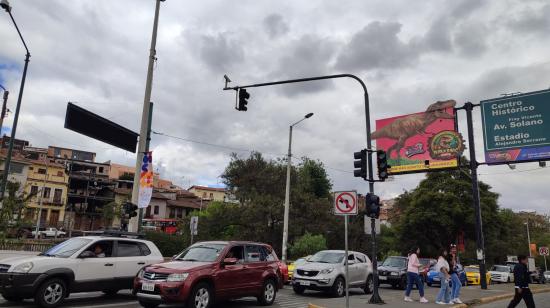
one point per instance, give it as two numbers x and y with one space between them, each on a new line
4 106
4 4
528 237
287 191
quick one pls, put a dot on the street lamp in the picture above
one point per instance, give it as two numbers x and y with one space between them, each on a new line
4 106
287 192
528 236
4 4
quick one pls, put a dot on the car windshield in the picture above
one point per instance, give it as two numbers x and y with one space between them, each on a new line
395 262
201 253
66 248
472 270
327 257
500 268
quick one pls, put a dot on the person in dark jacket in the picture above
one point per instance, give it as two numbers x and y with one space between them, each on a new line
522 280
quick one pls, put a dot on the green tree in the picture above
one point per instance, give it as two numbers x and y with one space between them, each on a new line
13 207
308 244
109 212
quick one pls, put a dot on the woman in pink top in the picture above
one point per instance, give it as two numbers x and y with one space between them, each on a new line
413 277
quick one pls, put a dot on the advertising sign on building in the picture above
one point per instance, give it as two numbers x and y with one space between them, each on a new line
517 128
421 141
146 181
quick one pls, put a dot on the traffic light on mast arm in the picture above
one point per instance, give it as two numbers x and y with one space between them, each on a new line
372 205
361 163
243 100
130 209
382 164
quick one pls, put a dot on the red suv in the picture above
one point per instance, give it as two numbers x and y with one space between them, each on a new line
211 271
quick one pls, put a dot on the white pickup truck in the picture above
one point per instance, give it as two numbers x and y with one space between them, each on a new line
50 232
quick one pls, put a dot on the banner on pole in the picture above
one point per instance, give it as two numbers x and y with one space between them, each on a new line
146 180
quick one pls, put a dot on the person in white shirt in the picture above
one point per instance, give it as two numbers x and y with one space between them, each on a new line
442 268
413 277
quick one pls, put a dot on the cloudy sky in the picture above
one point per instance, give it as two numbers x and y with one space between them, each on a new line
409 53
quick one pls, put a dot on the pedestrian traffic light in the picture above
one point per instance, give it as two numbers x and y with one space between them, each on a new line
361 163
382 164
130 209
372 205
243 97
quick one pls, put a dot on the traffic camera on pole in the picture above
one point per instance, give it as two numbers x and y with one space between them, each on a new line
372 205
382 164
243 100
361 163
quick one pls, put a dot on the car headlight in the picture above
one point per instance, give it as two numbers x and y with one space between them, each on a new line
326 271
177 277
394 274
23 267
140 273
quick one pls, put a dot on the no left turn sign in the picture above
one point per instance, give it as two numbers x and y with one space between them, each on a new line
543 251
345 203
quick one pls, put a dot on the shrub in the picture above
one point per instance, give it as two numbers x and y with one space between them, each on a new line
308 244
168 244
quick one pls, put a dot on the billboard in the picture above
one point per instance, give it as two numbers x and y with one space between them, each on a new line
517 128
421 141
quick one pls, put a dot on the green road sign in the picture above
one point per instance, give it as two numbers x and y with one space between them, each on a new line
517 121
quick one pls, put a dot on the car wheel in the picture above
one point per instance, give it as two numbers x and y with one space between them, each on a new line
298 289
148 304
403 283
269 292
13 299
369 285
110 292
338 287
429 284
201 297
51 293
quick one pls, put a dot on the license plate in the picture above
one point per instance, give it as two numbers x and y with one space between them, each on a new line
305 283
147 286
383 278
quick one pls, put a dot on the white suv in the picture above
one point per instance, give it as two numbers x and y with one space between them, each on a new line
81 264
502 273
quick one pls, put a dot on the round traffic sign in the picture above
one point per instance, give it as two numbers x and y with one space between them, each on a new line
543 251
345 203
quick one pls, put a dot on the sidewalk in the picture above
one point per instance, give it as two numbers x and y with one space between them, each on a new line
394 298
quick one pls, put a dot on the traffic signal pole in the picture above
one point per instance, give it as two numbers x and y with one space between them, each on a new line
375 299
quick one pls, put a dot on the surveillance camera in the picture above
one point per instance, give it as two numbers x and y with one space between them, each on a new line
226 78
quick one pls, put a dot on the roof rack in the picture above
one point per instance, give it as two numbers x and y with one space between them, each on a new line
115 233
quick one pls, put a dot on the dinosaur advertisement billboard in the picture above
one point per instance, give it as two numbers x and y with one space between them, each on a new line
421 141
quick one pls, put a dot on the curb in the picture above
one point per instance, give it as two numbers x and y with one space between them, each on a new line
490 299
313 306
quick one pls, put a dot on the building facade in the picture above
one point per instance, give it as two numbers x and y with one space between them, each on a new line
208 193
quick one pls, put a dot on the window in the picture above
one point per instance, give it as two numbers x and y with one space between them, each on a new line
211 196
172 213
145 251
128 249
102 247
16 168
254 254
59 173
236 252
204 195
47 192
361 258
57 195
100 169
156 209
268 253
34 190
179 212
31 168
41 171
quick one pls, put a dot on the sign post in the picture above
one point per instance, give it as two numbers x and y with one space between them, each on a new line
543 251
194 227
345 203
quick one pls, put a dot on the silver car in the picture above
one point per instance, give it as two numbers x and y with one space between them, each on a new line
325 271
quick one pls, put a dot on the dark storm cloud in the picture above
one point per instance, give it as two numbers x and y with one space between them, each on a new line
307 56
377 46
275 26
220 51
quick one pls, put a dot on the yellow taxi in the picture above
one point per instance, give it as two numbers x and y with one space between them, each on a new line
473 277
293 265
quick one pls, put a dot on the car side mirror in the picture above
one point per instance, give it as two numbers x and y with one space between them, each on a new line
87 254
230 261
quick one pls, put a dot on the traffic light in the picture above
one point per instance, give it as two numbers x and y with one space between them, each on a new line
382 164
361 163
243 97
372 205
130 209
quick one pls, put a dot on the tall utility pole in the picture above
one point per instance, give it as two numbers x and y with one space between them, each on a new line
528 237
133 225
4 106
5 5
140 213
287 190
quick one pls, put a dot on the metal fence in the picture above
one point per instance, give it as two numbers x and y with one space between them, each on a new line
27 245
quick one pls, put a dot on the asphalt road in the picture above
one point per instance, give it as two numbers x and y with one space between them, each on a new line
542 300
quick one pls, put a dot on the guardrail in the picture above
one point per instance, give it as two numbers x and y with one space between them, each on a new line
27 245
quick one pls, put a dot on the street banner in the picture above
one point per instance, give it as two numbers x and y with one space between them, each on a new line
421 141
517 128
146 180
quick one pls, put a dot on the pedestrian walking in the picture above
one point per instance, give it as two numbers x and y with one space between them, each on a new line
522 280
456 284
413 277
442 267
